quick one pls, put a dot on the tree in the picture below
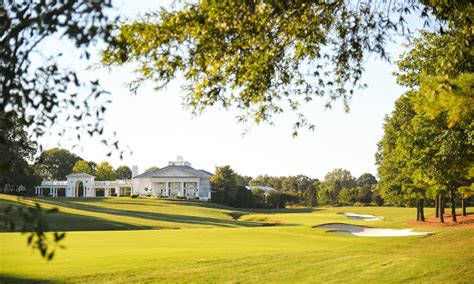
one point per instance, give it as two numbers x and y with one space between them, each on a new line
261 180
93 166
443 88
259 197
363 194
31 221
19 150
450 96
55 163
365 187
401 159
224 186
151 169
312 193
257 55
333 183
36 86
391 167
279 199
82 167
243 180
420 157
105 172
466 192
123 172
244 198
442 100
16 150
347 196
366 179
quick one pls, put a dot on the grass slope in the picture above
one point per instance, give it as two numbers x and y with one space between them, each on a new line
90 214
221 249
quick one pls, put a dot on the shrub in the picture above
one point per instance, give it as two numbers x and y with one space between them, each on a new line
134 196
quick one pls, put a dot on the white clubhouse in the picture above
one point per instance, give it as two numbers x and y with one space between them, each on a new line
177 180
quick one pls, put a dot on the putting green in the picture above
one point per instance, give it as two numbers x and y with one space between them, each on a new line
211 246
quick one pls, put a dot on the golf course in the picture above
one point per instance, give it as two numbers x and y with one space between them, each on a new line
121 239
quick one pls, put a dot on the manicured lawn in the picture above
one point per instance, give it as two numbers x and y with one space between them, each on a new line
210 246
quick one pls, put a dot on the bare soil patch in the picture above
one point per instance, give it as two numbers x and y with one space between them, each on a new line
432 221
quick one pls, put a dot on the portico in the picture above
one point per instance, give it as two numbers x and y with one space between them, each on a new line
174 187
177 180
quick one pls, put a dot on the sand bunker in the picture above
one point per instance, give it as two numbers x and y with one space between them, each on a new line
363 217
363 231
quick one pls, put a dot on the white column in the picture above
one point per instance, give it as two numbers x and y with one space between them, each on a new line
182 189
106 192
167 189
117 191
197 188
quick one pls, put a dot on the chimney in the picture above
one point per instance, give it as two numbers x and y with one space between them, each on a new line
134 170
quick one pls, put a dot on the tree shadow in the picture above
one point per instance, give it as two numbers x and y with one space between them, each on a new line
284 210
174 218
18 279
62 221
199 204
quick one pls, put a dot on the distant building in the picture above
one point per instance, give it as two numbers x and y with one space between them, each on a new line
266 189
178 179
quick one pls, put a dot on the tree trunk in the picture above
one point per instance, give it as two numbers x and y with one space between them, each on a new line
441 208
453 204
437 205
463 205
418 211
422 211
442 204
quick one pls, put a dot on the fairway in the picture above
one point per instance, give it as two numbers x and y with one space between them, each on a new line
150 240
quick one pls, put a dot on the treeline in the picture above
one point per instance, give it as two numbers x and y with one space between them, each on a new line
426 155
53 164
56 164
339 187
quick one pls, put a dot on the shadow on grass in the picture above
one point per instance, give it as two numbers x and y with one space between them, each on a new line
174 218
18 279
284 210
199 203
242 210
62 221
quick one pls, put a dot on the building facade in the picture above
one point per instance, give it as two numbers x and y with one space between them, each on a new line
177 180
83 185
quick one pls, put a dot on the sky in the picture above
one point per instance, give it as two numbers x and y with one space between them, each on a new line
156 128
